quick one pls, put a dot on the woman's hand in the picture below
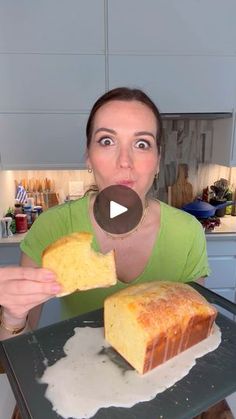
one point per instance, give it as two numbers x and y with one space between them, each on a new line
22 288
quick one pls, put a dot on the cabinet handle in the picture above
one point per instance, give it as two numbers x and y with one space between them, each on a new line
214 298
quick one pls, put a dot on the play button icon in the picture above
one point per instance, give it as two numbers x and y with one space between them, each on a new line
118 209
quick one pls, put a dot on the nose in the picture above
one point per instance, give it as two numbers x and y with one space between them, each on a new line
125 158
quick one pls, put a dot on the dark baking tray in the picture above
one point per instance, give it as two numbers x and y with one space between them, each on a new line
209 381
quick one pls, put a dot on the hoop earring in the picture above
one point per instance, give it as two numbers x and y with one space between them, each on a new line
90 170
155 181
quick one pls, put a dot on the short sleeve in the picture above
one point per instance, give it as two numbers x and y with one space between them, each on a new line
197 265
50 225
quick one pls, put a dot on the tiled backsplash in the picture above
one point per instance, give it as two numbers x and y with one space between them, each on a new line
189 142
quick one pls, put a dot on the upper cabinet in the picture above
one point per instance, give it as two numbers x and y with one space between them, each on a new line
50 83
52 68
165 27
41 141
182 53
179 83
52 27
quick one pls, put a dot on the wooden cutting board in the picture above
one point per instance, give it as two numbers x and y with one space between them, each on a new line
182 191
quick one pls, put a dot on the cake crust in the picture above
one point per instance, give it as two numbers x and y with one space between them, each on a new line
77 266
152 322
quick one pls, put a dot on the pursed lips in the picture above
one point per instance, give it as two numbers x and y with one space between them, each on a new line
125 182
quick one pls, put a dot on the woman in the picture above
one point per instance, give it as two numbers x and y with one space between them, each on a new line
123 148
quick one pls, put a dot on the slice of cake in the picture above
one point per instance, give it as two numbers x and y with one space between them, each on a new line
77 265
152 322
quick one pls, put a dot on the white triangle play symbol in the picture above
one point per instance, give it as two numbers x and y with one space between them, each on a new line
116 209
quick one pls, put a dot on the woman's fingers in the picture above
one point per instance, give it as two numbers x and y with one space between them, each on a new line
26 286
22 288
36 288
23 281
22 273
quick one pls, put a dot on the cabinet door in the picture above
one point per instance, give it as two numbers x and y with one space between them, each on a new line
223 272
179 83
172 27
218 246
75 26
50 84
52 69
10 255
43 141
177 52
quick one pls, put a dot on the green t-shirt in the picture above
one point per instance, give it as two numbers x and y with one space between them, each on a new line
179 253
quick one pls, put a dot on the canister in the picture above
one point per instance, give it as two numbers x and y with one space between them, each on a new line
34 215
21 223
27 210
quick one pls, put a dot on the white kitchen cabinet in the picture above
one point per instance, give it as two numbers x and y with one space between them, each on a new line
181 27
182 54
9 254
42 141
52 26
179 83
222 259
44 83
44 111
52 69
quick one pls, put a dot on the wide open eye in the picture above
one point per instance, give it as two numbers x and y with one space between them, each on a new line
143 144
105 141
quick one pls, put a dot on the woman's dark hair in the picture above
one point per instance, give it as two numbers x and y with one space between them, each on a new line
126 94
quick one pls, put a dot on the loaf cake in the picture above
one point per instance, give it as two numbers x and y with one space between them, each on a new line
152 322
77 265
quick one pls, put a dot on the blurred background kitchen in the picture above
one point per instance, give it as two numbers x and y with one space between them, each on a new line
187 143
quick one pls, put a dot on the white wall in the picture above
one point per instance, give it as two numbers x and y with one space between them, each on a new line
7 190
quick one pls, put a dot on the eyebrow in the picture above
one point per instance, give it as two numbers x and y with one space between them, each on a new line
105 129
145 133
112 131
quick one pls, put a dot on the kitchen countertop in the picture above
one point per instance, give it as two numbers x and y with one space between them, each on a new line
12 240
227 228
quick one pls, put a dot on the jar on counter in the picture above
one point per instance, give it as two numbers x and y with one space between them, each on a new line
21 223
27 210
18 209
229 197
34 215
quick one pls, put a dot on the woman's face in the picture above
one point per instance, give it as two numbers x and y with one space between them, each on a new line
123 149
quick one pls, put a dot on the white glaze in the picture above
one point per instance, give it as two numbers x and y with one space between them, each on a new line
84 381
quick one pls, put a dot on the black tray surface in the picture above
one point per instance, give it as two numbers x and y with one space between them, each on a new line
209 381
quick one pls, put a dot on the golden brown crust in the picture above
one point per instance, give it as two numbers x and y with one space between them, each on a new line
165 318
77 265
